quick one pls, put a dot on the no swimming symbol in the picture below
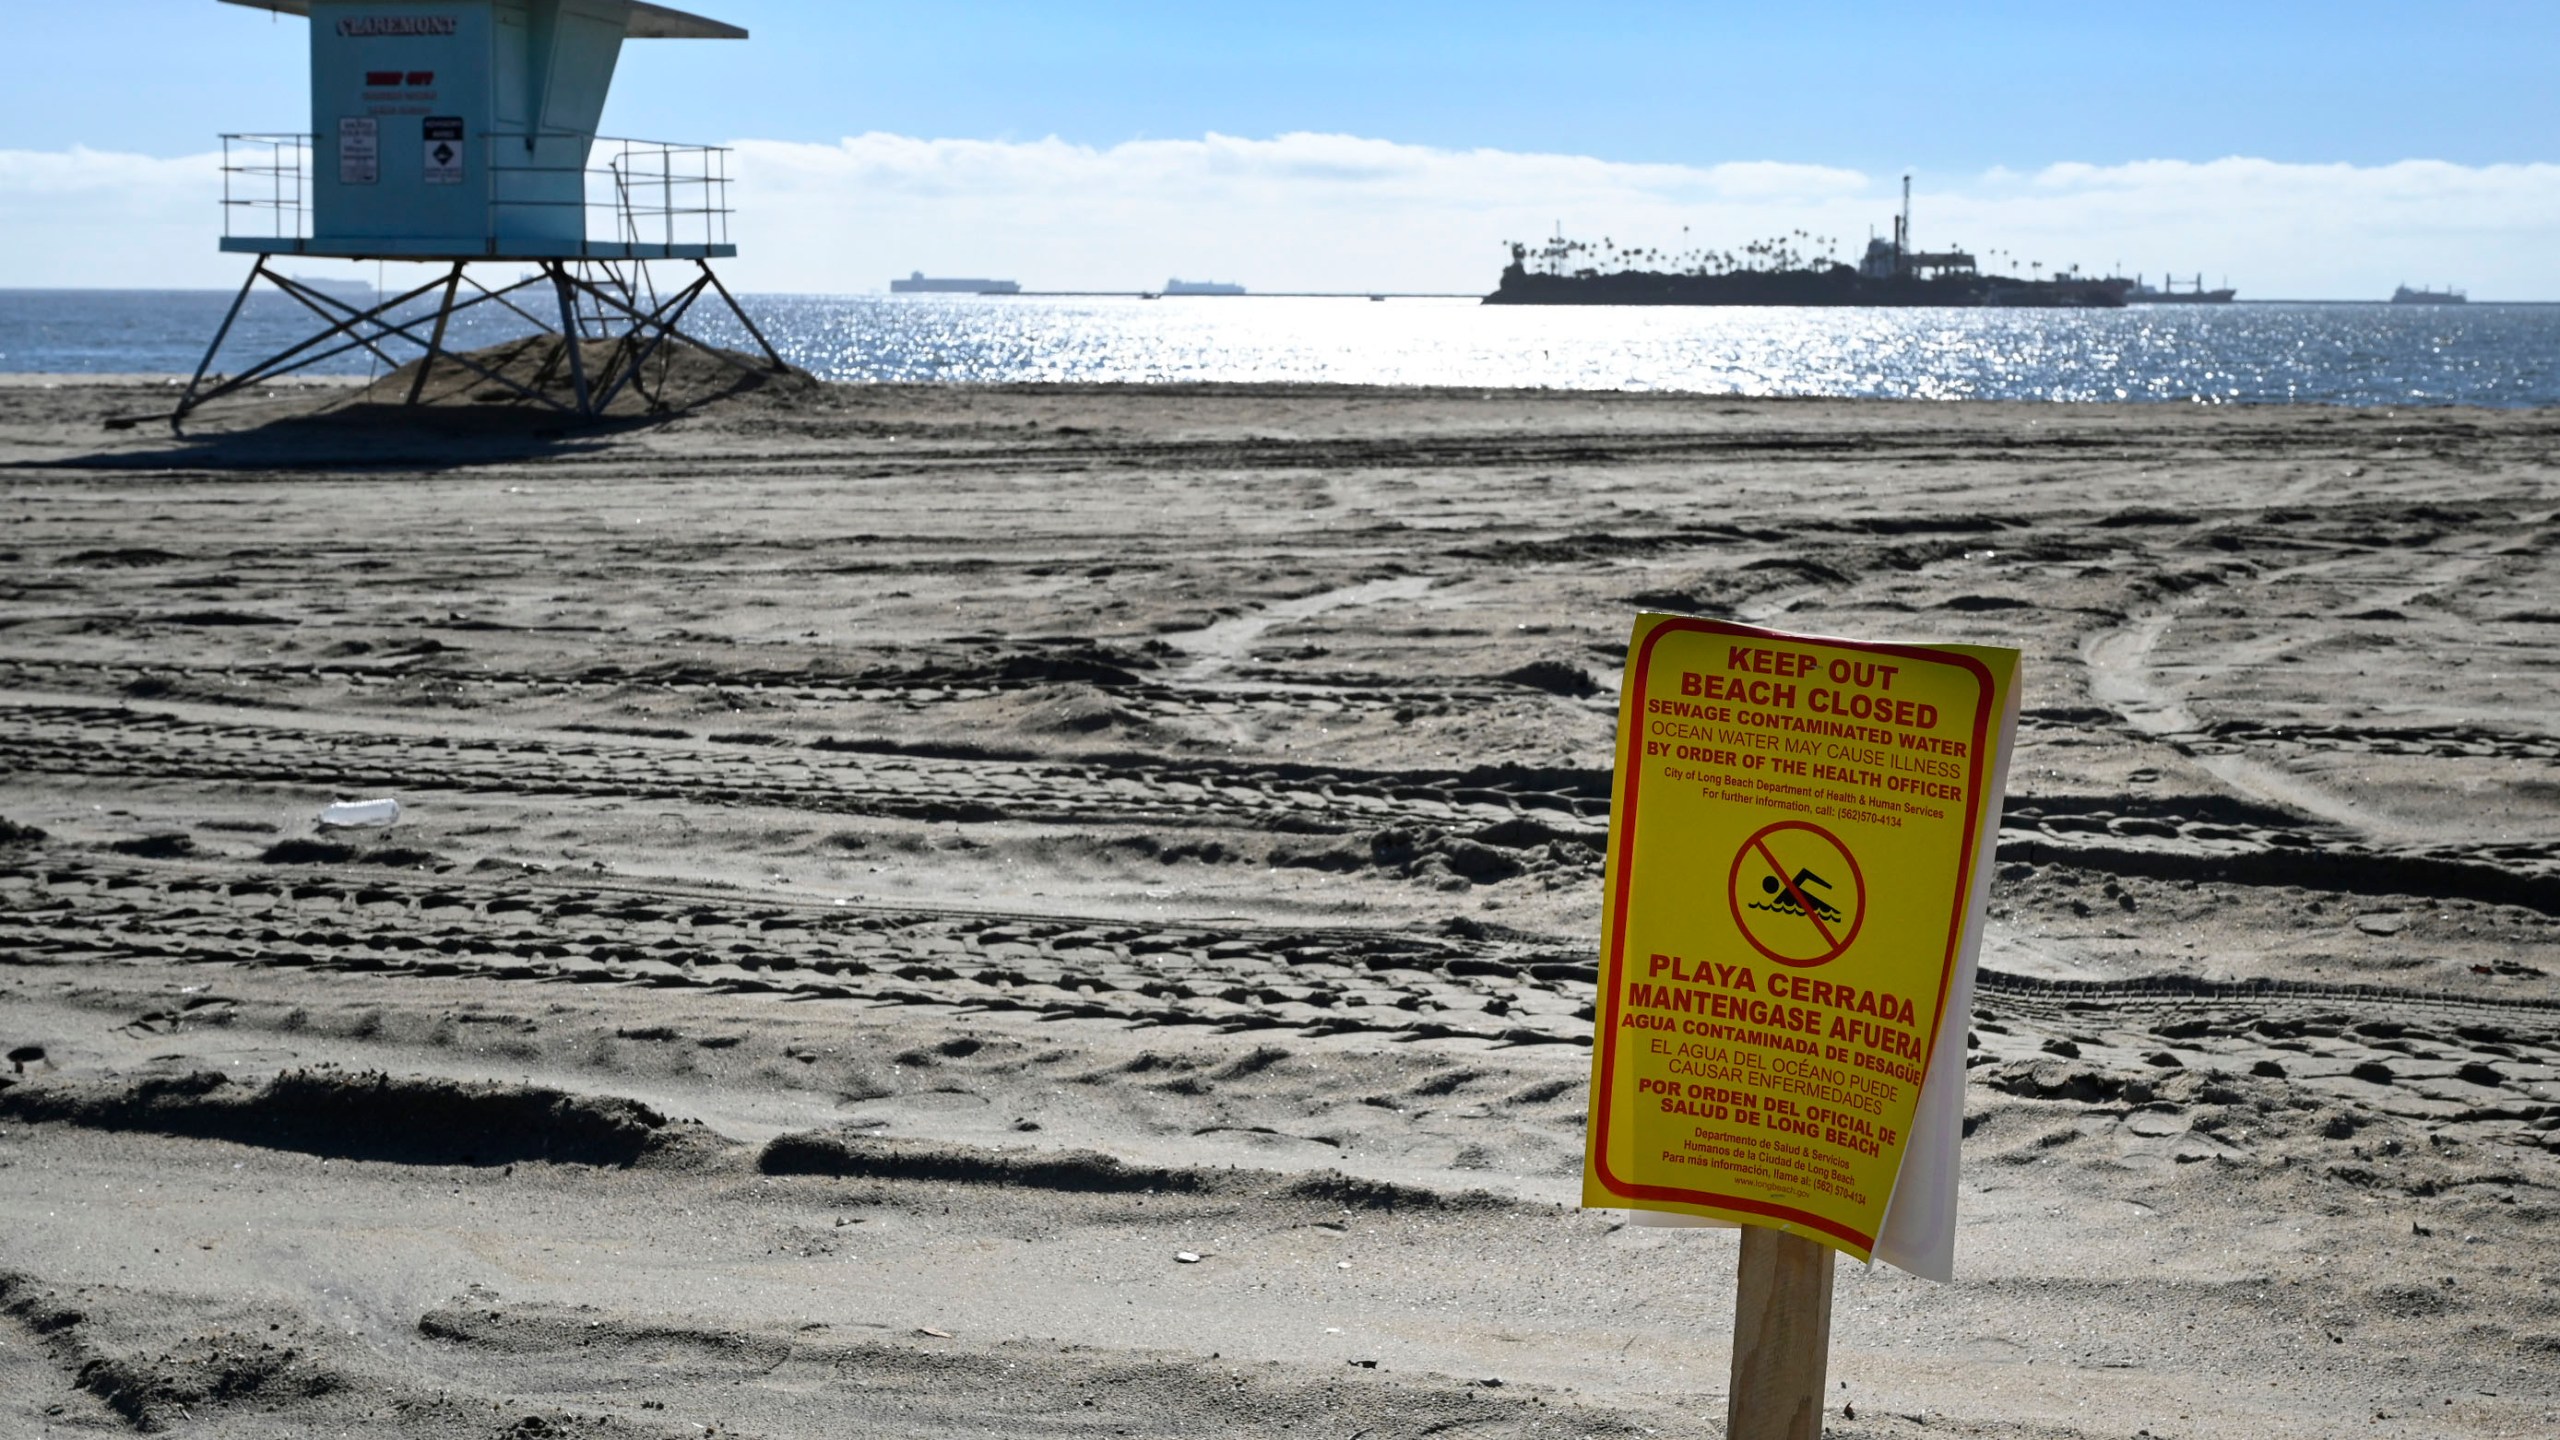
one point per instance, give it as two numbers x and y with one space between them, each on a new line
1797 894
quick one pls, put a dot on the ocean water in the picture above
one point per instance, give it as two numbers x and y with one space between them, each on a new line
2482 354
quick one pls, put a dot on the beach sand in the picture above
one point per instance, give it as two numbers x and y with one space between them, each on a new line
885 874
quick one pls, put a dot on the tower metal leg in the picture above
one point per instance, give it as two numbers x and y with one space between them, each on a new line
187 401
569 337
435 342
607 379
740 311
639 334
383 327
659 324
620 313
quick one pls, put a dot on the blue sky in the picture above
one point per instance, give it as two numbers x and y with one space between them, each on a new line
1964 94
1852 84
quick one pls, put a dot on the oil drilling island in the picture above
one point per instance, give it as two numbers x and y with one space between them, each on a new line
1892 272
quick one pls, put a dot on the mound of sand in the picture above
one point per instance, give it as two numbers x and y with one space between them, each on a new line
358 1117
670 378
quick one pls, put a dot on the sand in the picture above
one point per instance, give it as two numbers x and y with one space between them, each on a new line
886 874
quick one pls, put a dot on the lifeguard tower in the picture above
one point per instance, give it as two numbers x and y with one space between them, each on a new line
462 133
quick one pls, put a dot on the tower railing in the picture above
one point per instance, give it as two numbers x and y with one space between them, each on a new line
266 186
679 191
637 192
641 192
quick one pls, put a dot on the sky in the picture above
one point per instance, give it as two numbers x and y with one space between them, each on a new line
2294 149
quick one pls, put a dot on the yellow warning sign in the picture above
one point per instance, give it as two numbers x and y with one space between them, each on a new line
1793 855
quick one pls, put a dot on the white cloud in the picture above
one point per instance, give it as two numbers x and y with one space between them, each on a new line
2278 229
90 217
1307 211
1324 212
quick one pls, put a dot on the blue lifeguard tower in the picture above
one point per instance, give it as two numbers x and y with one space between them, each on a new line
460 133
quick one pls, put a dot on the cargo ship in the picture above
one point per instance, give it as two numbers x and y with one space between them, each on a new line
358 291
1201 287
2406 296
2168 293
1772 272
919 283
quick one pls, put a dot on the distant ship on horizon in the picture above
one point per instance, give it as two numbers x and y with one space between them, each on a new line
2168 293
918 283
2406 296
1201 287
343 287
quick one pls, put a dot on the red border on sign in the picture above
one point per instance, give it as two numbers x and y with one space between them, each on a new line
1733 896
1614 963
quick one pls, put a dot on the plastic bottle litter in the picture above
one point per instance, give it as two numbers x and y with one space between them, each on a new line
347 813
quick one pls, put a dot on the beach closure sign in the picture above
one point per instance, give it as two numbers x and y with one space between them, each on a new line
1798 861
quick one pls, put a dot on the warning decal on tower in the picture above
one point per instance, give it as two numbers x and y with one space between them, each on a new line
359 150
444 149
1795 839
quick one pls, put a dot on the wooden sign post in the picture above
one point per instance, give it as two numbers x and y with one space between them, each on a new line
1799 844
1781 1338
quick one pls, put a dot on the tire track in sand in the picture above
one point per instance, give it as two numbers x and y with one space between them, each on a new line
2167 836
84 916
166 743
